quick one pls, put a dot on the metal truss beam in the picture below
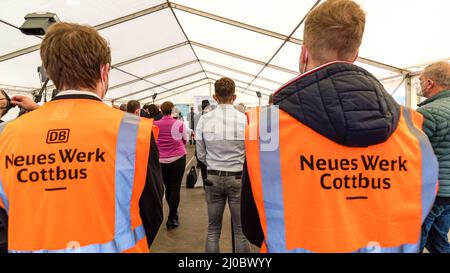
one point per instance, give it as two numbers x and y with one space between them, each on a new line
108 24
238 71
175 88
151 54
183 91
274 34
154 74
231 54
284 42
233 23
156 86
257 86
185 35
243 91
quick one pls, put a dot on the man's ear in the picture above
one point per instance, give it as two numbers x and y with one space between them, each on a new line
303 59
215 98
356 56
432 83
233 98
104 72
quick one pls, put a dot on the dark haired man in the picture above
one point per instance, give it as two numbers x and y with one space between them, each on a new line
220 145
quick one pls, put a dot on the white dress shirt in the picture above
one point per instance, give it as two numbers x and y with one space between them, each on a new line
220 136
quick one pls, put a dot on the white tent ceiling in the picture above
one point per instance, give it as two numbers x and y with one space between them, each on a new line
178 49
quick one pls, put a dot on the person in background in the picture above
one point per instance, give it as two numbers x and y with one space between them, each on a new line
116 107
241 108
220 146
177 114
435 86
203 109
144 112
171 144
192 123
307 184
154 112
271 99
123 107
206 107
134 107
5 104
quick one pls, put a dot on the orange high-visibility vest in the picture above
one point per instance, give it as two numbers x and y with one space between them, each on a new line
71 176
315 195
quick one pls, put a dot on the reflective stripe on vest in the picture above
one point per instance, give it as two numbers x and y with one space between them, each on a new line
2 126
428 188
2 190
269 154
3 197
124 237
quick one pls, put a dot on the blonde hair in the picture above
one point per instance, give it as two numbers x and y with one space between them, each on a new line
334 31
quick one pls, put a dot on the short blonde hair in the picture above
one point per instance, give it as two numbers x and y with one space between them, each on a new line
334 31
439 73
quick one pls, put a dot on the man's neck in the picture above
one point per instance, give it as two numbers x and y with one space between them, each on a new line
77 92
435 91
94 91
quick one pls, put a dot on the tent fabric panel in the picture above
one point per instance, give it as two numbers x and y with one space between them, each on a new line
130 88
21 71
91 12
228 37
266 13
143 35
160 62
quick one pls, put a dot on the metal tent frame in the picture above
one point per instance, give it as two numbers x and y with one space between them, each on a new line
245 87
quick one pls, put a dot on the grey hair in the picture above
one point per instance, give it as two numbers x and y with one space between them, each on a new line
439 73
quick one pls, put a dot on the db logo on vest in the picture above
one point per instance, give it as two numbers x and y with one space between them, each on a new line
58 136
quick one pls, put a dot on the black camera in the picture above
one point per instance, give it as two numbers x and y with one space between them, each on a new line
37 23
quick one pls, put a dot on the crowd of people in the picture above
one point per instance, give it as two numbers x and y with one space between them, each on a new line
332 164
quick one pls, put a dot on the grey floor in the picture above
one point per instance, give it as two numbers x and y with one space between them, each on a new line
190 236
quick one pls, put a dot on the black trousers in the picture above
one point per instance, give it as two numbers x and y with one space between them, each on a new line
203 170
172 175
3 231
202 167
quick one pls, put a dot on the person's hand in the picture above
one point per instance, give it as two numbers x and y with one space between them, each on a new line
24 102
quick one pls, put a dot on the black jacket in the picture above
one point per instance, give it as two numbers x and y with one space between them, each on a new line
340 101
150 203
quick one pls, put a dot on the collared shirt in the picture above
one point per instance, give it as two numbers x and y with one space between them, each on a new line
77 92
220 136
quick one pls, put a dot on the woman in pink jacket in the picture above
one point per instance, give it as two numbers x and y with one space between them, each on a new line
171 142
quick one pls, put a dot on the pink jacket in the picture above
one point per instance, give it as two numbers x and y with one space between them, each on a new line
172 137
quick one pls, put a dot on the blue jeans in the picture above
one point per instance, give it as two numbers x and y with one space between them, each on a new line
223 188
435 230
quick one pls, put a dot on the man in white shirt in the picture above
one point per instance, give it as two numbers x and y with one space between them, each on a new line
220 145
